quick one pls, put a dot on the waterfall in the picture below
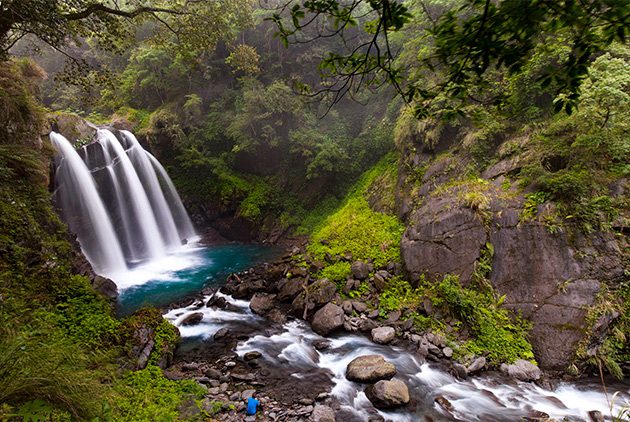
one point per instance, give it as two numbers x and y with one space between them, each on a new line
150 243
83 210
119 201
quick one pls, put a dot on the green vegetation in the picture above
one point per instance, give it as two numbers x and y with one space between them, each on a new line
611 305
38 361
481 83
496 334
147 396
60 343
337 273
357 230
462 44
149 320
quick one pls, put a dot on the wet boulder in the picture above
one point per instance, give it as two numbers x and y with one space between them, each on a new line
222 333
105 287
477 366
387 394
192 319
327 319
288 289
383 335
261 304
522 370
319 293
370 368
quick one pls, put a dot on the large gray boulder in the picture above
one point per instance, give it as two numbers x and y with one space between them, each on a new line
319 294
370 368
192 319
72 126
261 304
383 335
552 278
387 394
105 287
360 270
477 365
288 289
522 370
327 319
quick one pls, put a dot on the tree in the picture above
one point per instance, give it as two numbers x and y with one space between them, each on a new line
469 38
187 25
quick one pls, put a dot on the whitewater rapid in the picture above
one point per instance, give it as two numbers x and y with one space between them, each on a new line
485 398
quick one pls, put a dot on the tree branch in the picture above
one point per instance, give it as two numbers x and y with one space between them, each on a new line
96 8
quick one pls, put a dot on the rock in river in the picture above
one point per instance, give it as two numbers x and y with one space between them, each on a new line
383 335
327 319
386 394
370 368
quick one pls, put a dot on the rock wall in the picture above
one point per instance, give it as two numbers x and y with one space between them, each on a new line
551 275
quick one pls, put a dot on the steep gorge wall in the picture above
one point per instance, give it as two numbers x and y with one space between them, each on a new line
554 275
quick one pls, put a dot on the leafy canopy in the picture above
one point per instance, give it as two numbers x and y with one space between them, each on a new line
188 26
469 39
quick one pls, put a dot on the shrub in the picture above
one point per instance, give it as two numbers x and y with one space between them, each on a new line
398 294
337 273
147 396
498 336
568 184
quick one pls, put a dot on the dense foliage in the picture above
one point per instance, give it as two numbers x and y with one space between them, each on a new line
186 27
470 40
60 343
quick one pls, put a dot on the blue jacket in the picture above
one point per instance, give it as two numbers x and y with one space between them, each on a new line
252 403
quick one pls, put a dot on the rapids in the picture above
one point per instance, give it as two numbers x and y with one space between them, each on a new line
491 397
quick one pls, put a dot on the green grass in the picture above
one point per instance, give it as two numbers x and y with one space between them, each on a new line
38 362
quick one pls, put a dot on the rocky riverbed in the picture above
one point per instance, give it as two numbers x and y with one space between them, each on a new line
253 337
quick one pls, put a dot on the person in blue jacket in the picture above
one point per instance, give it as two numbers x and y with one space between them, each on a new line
252 404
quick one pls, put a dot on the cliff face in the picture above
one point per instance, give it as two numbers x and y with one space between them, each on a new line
546 268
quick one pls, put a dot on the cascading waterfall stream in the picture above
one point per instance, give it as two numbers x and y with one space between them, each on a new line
83 210
148 231
121 204
181 216
146 173
491 397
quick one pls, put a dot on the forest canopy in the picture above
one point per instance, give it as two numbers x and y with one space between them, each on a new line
469 38
188 26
